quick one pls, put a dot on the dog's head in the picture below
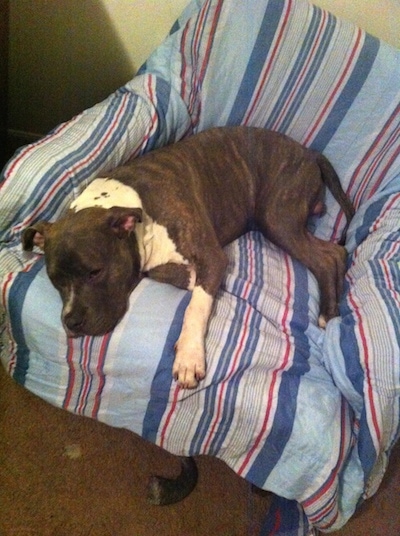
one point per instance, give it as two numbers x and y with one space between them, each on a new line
92 259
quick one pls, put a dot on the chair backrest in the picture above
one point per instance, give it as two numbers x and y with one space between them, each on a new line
290 66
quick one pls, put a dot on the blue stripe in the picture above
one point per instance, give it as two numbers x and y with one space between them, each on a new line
225 358
16 300
282 426
232 391
349 346
266 34
349 93
84 151
365 446
290 380
211 393
318 58
284 517
370 217
161 384
348 340
197 57
85 373
365 443
257 281
380 277
163 94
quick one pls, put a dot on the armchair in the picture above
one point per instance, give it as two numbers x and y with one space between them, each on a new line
308 414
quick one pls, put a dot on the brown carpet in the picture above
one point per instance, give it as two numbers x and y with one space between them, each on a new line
61 475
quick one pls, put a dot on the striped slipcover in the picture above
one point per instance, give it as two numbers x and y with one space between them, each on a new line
310 415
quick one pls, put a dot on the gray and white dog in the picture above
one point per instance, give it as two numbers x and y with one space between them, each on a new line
169 213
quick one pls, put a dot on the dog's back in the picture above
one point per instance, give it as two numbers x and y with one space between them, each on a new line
239 167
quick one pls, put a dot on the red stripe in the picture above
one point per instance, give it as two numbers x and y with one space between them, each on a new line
184 65
331 522
72 374
380 156
301 76
71 171
100 374
193 53
88 376
385 170
6 284
198 80
173 405
331 482
375 144
199 31
85 369
238 348
335 91
381 216
223 384
327 509
269 64
31 148
365 353
210 40
153 120
8 280
154 117
274 382
12 348
277 523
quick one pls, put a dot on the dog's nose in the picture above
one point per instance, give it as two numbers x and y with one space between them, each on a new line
73 324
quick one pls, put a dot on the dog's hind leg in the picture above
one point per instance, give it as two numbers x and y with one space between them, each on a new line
282 216
163 491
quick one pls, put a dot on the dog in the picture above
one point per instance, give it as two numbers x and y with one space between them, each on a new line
168 214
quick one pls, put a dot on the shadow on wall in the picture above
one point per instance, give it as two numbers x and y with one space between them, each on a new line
64 56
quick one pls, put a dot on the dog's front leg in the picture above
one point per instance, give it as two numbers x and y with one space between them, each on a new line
190 359
190 362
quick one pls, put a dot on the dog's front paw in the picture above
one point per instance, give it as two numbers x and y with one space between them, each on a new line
189 368
322 321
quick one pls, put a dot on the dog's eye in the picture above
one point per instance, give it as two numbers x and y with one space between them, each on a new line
93 274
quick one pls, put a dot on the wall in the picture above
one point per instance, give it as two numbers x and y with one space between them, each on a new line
379 17
66 55
3 75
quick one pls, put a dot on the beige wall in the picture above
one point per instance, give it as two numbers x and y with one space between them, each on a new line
379 17
66 55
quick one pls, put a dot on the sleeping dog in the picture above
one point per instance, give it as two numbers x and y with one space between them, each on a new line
168 215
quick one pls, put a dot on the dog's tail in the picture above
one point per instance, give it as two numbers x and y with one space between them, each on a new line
163 491
332 181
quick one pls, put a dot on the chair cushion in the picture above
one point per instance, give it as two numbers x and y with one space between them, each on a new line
308 414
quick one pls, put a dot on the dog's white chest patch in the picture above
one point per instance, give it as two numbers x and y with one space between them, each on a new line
106 193
156 246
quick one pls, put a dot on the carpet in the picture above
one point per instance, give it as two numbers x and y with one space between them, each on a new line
63 475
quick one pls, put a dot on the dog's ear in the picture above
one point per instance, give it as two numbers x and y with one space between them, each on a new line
35 235
123 220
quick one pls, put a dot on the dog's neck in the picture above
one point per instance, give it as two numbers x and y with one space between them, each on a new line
150 243
154 243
